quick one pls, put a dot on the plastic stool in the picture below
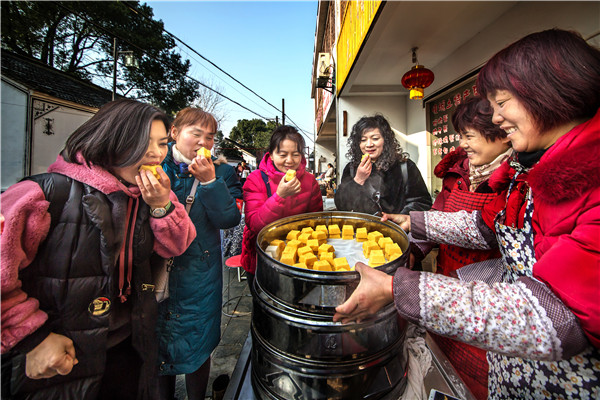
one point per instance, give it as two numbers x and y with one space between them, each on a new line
233 262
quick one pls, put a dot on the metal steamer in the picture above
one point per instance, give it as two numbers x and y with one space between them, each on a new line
298 352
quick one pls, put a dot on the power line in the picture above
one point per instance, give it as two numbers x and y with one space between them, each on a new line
135 10
146 52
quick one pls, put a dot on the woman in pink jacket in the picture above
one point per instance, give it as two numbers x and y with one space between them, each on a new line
268 197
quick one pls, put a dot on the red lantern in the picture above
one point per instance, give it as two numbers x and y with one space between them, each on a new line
417 79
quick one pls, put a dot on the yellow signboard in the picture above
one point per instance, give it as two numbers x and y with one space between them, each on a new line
356 23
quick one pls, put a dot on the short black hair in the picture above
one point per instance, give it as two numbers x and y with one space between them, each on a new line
283 132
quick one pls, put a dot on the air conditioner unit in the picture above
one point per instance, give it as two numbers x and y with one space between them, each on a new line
324 70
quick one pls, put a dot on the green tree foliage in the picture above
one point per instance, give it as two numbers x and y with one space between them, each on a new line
226 148
253 134
77 37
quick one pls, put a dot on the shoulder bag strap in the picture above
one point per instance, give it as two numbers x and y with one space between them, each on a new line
191 197
265 178
404 170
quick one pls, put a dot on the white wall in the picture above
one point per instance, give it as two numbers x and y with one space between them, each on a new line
327 153
14 134
46 147
393 108
520 20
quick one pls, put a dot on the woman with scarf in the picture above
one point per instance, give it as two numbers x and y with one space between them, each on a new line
465 173
269 197
189 323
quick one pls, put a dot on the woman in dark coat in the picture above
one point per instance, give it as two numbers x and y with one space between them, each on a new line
379 177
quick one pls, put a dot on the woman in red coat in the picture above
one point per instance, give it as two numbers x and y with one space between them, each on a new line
268 197
539 318
465 172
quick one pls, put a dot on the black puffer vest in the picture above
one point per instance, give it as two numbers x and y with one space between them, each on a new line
73 274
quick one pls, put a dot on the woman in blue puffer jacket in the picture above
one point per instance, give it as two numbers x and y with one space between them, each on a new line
189 324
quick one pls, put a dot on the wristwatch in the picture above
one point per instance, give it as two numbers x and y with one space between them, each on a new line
161 211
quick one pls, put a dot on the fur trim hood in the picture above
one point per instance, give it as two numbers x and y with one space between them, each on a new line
566 171
449 161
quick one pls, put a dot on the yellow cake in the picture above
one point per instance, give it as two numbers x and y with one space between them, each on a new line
293 234
321 265
151 168
289 175
202 151
308 259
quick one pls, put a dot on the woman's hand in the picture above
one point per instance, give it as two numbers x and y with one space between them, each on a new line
372 293
400 219
202 168
287 189
54 356
154 192
363 171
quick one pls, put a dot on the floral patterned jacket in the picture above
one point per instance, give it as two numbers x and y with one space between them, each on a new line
553 314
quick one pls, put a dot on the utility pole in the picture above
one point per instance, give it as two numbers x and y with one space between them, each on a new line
282 111
277 120
115 53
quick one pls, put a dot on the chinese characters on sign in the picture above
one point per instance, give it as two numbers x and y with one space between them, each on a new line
439 111
439 119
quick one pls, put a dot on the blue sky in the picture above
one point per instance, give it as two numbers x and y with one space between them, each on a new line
268 46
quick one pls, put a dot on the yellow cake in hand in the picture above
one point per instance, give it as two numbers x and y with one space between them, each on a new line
365 156
202 151
290 174
151 168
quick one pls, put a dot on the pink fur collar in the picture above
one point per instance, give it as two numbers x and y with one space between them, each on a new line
92 175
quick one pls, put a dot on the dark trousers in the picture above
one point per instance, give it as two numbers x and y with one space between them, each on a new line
122 374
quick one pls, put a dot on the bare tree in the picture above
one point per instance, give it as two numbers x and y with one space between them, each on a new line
211 102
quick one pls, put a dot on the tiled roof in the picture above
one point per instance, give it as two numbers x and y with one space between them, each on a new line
40 77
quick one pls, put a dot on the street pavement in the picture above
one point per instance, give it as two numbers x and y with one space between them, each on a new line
234 330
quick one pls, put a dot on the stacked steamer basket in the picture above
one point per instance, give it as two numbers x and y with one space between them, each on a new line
298 352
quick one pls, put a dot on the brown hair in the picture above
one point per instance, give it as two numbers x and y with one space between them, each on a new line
554 74
195 116
476 113
117 136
